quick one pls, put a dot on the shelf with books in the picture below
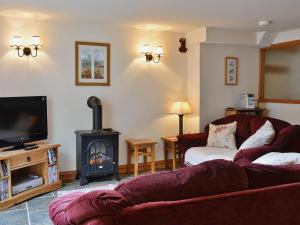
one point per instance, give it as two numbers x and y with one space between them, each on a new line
34 163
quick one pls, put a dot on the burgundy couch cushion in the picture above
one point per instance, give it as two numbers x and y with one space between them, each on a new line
208 178
260 175
243 126
289 139
187 141
248 155
57 208
107 204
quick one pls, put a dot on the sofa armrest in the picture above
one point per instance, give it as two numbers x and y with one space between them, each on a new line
93 204
288 139
187 141
245 156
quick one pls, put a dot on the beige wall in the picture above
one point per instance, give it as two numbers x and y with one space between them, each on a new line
136 103
214 95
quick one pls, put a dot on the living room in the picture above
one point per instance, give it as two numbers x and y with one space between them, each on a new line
157 61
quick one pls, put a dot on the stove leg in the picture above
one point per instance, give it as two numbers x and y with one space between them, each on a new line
83 181
117 177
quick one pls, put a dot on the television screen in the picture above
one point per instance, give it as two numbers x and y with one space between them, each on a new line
22 120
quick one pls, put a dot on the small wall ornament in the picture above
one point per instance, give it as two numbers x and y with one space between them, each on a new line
182 48
231 70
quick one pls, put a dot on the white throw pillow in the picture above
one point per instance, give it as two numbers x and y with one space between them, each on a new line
279 158
222 136
262 136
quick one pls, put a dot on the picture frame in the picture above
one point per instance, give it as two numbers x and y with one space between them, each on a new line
231 70
92 64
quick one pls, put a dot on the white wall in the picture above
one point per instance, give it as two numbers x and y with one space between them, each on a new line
215 96
137 101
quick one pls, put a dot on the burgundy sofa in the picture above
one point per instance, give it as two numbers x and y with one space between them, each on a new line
216 192
287 138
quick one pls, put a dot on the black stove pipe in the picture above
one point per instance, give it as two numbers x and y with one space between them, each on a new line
95 103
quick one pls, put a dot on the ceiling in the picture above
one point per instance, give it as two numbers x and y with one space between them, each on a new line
173 15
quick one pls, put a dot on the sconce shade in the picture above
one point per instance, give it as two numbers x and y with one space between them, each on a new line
146 49
16 42
181 108
159 51
36 41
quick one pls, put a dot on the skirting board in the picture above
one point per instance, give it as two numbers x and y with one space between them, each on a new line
69 176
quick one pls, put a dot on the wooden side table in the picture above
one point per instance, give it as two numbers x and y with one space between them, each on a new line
171 144
140 147
233 111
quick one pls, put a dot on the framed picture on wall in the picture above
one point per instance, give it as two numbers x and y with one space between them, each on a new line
231 70
92 64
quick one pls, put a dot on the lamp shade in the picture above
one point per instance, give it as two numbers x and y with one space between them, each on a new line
159 50
181 108
16 41
36 41
146 49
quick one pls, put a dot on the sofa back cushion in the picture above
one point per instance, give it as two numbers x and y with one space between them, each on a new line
278 125
263 136
222 136
243 130
260 175
208 178
288 139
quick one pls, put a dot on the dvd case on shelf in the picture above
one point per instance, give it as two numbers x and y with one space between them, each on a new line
4 193
52 159
3 169
52 174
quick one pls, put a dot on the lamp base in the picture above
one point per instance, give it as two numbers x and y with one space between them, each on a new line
180 124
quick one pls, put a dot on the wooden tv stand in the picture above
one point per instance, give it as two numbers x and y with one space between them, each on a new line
33 162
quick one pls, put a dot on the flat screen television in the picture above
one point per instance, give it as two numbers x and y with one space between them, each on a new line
22 120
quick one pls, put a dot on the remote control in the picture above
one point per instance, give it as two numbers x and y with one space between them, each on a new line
31 147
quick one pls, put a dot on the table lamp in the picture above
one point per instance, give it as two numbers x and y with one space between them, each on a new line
181 108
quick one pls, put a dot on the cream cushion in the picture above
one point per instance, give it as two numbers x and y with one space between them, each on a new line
196 155
222 136
262 136
279 158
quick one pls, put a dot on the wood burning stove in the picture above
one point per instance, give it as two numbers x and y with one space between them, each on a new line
98 149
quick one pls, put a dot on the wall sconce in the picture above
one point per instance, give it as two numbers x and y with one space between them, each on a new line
32 50
150 56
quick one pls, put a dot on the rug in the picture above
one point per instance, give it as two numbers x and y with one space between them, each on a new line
86 190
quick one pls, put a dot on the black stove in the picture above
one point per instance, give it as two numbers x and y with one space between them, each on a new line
97 150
